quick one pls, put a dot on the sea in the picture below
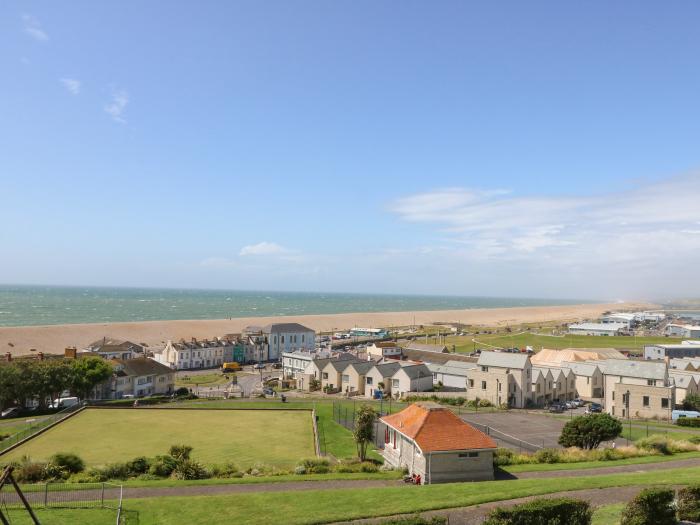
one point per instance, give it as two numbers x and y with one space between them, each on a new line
48 305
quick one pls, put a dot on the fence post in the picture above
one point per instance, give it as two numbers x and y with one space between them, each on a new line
46 495
102 496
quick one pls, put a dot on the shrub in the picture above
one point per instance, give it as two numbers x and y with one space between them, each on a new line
503 457
162 466
547 455
484 403
542 511
139 465
694 440
227 470
180 452
182 391
656 443
688 422
650 507
688 503
190 469
590 431
112 471
72 463
368 467
415 520
315 466
301 469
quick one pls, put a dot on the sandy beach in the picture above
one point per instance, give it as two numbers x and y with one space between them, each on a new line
19 340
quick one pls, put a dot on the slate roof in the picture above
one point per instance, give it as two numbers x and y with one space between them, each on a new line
630 368
275 328
388 369
581 369
503 360
362 367
682 379
417 371
435 428
143 366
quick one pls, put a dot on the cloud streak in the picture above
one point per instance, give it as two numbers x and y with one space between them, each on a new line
116 107
33 28
263 248
72 85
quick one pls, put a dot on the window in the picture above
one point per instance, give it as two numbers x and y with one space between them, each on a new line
302 338
588 380
645 401
484 368
462 455
499 387
325 375
435 377
483 385
538 388
395 383
650 382
664 403
346 378
161 379
282 339
613 395
471 383
369 380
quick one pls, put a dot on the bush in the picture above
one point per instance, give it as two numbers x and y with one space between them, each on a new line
650 507
688 503
547 455
315 466
484 403
190 469
182 391
162 466
139 465
695 440
72 463
688 422
227 470
180 452
590 431
556 511
503 457
108 472
656 443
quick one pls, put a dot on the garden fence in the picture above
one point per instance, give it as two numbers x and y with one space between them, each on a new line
35 425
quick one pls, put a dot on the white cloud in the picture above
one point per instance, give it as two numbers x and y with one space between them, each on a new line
72 85
263 248
33 28
116 107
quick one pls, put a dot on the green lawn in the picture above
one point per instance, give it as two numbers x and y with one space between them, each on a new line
203 379
63 516
12 426
323 506
608 514
539 341
245 437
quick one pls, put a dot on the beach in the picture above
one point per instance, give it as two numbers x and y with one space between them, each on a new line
53 339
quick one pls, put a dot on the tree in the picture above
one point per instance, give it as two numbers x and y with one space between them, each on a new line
9 380
364 430
691 402
87 373
588 432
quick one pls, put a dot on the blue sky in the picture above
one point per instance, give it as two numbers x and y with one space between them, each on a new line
513 148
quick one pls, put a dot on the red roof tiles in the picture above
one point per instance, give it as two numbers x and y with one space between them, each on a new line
435 428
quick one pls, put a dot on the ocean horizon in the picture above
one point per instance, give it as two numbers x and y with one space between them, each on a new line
32 305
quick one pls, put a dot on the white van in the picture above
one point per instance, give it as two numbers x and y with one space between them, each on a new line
64 402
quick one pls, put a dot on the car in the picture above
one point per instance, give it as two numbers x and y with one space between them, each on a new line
259 366
11 412
556 408
268 392
579 402
595 407
571 405
277 366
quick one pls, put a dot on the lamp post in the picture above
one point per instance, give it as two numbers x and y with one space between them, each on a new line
629 419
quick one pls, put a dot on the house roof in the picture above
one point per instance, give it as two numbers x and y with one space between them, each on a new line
630 368
556 357
685 363
503 359
427 348
275 328
457 368
683 379
107 344
603 327
388 369
362 367
581 369
435 428
143 366
417 371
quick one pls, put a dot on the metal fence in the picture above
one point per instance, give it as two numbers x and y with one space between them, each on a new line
64 495
344 413
35 425
506 440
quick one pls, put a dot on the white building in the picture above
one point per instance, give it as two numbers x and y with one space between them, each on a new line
295 363
452 374
187 355
288 337
682 330
671 351
603 329
621 318
381 350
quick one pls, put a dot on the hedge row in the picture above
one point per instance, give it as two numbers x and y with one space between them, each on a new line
557 511
688 422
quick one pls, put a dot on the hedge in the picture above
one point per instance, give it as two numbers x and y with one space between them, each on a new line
688 422
688 503
652 506
543 511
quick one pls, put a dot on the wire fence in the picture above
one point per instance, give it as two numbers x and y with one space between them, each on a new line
35 425
344 413
64 495
506 440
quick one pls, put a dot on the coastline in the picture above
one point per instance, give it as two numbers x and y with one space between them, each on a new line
53 339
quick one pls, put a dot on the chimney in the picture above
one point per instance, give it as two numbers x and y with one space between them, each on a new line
71 352
41 356
194 339
8 357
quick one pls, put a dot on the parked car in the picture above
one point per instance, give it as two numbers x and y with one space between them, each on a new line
11 412
556 408
571 405
259 366
595 407
277 366
268 392
579 402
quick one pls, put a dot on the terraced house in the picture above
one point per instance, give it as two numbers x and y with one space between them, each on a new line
137 377
501 377
188 355
638 389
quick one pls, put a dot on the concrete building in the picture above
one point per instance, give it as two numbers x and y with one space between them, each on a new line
368 332
409 378
378 379
137 377
626 319
685 383
191 355
110 348
287 337
294 364
600 329
501 377
638 389
541 386
452 375
352 380
682 330
588 379
381 350
671 351
436 445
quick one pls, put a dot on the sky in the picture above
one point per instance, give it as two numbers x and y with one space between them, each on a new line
534 149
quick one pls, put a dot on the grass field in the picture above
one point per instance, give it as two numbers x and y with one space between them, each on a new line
203 379
608 514
539 341
245 437
334 505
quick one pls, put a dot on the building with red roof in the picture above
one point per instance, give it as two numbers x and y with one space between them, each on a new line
434 443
